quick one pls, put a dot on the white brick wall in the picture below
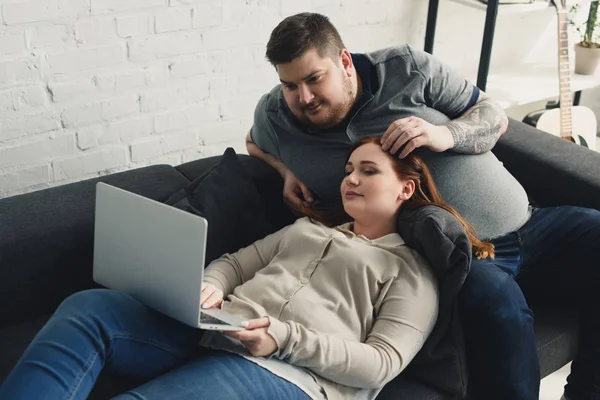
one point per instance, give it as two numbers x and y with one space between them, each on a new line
90 87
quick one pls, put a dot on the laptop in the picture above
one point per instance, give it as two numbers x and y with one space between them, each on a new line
155 253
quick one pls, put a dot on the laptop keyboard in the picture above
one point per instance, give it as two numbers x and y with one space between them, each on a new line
207 319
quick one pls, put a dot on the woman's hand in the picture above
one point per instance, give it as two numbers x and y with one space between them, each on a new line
211 296
256 338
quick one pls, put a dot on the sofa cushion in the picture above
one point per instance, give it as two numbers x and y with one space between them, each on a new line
441 238
266 179
229 201
46 239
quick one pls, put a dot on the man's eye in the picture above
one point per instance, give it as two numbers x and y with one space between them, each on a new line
314 79
290 87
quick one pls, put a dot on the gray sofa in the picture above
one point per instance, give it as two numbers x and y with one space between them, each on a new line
46 241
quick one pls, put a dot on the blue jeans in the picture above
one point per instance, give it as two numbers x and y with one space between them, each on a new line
554 256
101 329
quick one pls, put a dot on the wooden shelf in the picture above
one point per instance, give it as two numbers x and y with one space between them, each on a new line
529 83
506 9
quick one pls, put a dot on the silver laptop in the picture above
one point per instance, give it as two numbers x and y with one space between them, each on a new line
155 253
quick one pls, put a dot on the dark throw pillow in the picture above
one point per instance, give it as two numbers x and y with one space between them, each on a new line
229 201
441 238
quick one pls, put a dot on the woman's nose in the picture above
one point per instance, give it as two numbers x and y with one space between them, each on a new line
352 179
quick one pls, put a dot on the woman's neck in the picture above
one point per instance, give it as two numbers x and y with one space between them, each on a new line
374 230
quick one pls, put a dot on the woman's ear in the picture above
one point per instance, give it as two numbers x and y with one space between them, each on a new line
408 188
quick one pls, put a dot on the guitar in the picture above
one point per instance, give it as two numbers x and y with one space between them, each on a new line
566 120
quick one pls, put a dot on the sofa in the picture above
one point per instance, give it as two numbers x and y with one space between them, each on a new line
46 243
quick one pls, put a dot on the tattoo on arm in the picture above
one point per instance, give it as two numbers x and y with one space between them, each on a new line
479 128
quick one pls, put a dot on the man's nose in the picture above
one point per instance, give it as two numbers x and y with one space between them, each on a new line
305 95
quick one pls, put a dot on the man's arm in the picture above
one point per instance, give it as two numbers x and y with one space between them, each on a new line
479 128
273 161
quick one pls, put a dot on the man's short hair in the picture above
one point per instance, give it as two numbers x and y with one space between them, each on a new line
298 33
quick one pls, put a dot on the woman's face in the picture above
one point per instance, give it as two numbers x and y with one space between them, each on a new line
371 189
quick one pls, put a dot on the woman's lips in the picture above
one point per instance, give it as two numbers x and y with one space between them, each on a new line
352 195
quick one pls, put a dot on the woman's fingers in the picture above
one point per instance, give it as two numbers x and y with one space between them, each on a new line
258 323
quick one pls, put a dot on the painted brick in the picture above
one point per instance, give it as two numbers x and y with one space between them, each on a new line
6 101
216 39
134 25
165 45
38 151
224 132
257 81
12 43
130 129
52 35
31 11
23 70
86 59
16 126
241 107
23 99
82 115
96 31
195 116
119 107
192 91
72 90
106 136
25 178
105 6
199 65
155 146
207 15
30 97
88 137
171 20
229 61
90 162
131 79
223 87
169 159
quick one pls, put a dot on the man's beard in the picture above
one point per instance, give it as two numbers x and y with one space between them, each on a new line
336 115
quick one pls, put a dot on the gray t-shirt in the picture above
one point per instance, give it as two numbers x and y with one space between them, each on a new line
410 83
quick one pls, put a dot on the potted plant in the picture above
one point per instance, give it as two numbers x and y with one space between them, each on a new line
587 51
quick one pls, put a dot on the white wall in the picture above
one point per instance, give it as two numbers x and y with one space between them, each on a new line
90 87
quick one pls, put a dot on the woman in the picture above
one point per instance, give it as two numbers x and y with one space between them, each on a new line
331 312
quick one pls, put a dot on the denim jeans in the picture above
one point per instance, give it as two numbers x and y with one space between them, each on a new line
554 256
101 329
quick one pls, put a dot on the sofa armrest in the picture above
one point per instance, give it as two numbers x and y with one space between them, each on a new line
552 170
46 239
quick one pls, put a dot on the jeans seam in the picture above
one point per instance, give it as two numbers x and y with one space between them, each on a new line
82 375
554 340
149 342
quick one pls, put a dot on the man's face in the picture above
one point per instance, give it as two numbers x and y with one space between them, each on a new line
318 90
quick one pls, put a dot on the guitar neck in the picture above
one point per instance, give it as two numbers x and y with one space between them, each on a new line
564 75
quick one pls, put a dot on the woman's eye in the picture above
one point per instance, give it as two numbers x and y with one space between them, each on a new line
369 172
347 173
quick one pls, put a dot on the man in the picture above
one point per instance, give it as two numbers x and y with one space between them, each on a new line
329 98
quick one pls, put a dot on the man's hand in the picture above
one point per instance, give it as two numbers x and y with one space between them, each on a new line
211 296
415 132
295 193
255 338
